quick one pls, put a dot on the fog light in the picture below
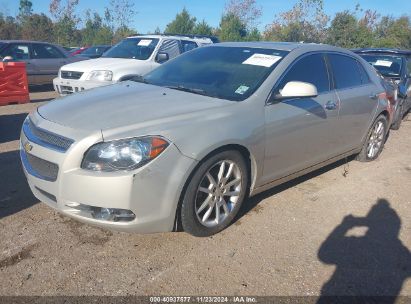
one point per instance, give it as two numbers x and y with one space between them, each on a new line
112 214
104 214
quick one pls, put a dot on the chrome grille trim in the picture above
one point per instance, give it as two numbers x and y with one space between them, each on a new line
45 138
38 167
71 75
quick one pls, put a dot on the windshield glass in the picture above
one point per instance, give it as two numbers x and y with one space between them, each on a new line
232 73
135 48
387 65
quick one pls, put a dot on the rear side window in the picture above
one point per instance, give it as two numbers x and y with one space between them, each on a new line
364 75
188 45
346 71
171 48
309 69
45 51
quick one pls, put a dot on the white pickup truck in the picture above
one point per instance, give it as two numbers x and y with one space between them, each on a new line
133 56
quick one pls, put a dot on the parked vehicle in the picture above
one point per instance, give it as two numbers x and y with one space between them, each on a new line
134 56
187 142
94 51
395 65
43 60
78 51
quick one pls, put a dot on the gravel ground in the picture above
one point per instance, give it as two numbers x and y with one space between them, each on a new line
294 240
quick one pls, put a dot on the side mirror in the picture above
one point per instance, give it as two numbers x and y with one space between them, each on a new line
162 57
7 59
297 89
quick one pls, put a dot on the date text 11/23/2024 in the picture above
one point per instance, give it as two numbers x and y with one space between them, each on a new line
205 299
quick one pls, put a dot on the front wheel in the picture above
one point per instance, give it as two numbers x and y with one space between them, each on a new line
214 194
375 140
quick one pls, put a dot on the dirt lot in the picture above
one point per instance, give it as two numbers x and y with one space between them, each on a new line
293 240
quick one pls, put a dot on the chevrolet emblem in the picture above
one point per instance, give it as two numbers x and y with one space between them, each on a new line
28 147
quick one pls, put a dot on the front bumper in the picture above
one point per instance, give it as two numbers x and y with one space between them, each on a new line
70 86
151 192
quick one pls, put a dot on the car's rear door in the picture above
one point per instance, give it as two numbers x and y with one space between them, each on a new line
358 97
47 60
301 132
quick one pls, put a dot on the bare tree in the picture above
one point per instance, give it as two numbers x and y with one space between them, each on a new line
122 13
246 10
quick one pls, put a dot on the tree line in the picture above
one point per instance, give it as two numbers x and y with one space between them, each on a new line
305 21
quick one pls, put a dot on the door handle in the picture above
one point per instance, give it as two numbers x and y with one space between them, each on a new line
330 105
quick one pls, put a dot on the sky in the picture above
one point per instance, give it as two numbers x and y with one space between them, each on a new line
160 12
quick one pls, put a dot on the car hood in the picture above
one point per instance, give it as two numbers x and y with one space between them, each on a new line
124 104
102 64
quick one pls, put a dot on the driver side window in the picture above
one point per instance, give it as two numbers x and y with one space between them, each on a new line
311 69
17 51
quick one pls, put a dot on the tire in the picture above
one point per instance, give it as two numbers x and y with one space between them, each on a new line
398 119
227 170
376 138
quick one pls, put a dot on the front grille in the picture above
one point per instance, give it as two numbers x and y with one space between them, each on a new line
40 168
70 74
46 138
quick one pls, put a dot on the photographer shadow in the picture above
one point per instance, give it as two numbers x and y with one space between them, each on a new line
369 267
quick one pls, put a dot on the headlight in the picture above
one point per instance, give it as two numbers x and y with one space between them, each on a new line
100 75
123 155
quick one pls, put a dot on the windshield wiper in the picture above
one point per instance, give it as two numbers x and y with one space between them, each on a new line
190 90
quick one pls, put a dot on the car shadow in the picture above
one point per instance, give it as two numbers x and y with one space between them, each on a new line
253 201
41 88
15 194
371 266
10 126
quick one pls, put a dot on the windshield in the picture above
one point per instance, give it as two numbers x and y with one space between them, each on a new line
135 48
387 65
232 73
95 50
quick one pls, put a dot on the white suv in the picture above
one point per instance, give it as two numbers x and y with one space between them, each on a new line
133 56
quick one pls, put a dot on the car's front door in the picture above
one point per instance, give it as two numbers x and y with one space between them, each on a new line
358 97
47 61
20 52
301 132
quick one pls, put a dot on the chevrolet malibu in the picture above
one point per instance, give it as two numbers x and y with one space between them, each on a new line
188 143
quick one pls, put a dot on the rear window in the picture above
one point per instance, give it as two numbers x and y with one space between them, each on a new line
346 71
387 65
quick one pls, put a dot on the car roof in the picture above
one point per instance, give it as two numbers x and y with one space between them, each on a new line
285 46
383 51
24 41
178 37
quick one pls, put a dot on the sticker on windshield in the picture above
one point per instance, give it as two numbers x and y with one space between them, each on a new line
242 89
384 63
262 60
145 42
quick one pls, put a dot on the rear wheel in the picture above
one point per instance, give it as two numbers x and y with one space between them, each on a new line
375 141
215 193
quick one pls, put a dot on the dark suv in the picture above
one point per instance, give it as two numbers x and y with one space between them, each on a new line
395 65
